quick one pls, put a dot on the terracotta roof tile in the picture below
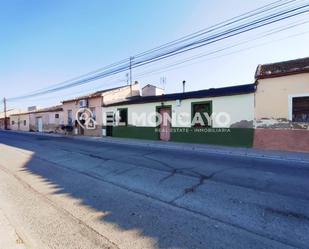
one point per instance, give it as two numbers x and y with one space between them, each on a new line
282 68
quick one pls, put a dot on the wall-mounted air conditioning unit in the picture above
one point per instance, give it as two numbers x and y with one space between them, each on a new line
83 103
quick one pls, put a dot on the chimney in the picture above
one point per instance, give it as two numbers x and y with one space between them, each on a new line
184 86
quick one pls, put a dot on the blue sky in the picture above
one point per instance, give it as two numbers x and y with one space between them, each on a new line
47 42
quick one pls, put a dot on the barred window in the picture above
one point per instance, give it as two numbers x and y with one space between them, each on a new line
300 109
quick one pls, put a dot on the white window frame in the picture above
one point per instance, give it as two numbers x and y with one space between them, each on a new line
94 112
291 96
70 111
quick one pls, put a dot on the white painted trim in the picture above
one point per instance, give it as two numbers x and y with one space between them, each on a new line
290 101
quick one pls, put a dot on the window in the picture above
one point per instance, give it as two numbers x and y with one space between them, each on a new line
109 118
94 115
300 109
123 116
70 117
25 122
201 113
13 122
56 115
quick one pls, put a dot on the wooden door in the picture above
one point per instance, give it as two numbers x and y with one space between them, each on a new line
165 126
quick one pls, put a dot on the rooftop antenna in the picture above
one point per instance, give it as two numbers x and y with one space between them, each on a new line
163 82
127 78
130 67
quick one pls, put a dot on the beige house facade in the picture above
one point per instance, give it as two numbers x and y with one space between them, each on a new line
8 114
48 120
274 96
20 122
282 105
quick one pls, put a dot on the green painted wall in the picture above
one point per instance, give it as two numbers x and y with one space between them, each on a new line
241 137
135 132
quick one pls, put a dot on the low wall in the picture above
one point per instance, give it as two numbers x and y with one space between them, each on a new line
97 132
135 132
241 137
48 128
282 139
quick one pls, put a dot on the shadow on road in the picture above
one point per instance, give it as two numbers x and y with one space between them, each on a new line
126 210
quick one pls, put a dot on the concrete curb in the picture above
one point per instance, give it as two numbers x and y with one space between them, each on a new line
285 156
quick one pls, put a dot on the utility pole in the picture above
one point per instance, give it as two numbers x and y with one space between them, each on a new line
131 60
5 120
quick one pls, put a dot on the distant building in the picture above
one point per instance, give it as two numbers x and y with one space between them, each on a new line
151 90
20 121
2 118
32 108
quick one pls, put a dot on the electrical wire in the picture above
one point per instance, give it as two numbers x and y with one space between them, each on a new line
259 36
123 65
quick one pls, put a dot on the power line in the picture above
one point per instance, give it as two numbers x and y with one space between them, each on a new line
258 37
241 17
216 38
116 81
154 56
219 56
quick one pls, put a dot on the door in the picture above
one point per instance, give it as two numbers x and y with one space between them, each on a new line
165 126
39 123
82 121
109 123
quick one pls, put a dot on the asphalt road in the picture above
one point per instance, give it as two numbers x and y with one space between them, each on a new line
64 193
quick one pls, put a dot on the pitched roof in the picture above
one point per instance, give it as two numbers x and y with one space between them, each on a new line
94 95
56 108
212 92
282 68
9 112
21 113
152 86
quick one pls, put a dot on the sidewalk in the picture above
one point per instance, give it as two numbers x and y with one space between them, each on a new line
9 238
204 148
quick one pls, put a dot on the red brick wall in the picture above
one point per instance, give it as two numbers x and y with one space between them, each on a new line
279 139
